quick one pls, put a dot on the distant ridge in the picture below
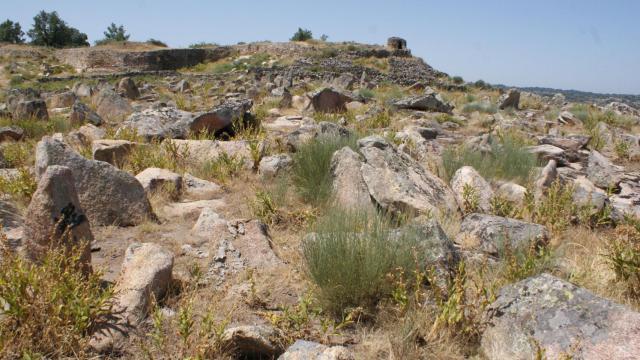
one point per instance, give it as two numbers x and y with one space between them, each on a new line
580 96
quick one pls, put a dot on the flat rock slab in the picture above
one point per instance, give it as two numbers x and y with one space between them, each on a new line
547 313
489 233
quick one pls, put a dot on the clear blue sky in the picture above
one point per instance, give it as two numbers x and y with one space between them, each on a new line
591 45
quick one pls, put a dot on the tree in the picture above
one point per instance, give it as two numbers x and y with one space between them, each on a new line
50 30
11 32
302 35
116 33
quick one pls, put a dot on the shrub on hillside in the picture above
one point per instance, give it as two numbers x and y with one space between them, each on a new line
50 30
311 167
350 254
302 35
508 160
114 33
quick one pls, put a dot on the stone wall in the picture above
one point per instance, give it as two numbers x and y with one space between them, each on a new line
96 59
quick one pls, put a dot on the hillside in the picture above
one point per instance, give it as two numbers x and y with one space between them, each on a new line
309 200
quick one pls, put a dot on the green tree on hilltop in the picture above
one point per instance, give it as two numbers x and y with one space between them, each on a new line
11 32
50 30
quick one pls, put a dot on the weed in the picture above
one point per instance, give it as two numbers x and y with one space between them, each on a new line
623 257
18 154
21 186
459 311
555 210
501 206
264 207
49 308
221 168
622 149
520 264
35 128
471 199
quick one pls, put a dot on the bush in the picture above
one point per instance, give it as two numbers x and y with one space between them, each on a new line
350 254
302 35
49 309
11 32
508 160
50 30
114 33
458 80
312 165
481 84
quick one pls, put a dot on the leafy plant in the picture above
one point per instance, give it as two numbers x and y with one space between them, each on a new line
555 209
49 308
22 186
471 198
622 149
623 256
459 310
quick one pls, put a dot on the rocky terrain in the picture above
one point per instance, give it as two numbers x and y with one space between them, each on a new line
308 200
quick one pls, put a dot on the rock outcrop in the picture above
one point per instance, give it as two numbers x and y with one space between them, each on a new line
544 314
107 195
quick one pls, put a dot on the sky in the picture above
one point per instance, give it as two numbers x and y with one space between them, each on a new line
589 45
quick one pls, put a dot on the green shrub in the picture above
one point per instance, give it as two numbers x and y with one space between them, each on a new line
508 160
367 94
302 35
350 254
50 308
312 165
114 33
482 107
458 80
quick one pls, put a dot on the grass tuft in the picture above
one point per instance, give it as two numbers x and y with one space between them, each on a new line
508 160
312 165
